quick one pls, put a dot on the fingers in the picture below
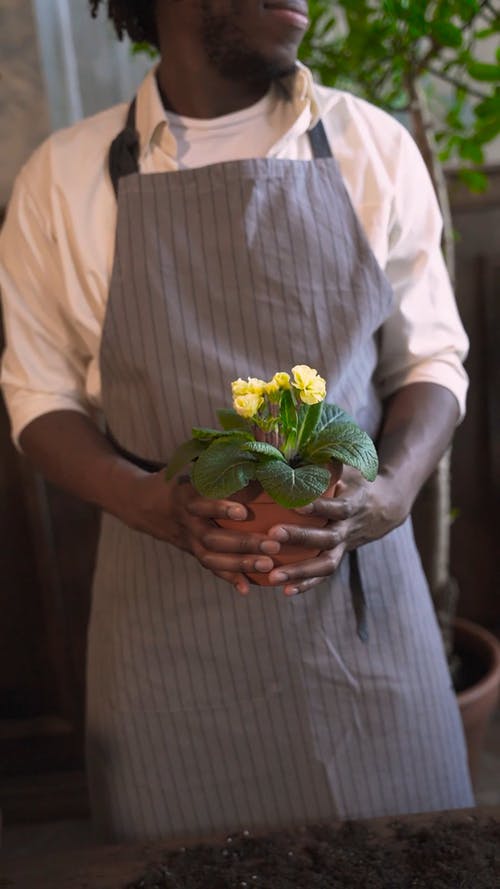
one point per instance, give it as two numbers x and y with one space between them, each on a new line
216 509
300 576
225 551
335 509
325 538
240 583
220 540
228 562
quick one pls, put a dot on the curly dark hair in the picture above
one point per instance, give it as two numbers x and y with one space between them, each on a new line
133 17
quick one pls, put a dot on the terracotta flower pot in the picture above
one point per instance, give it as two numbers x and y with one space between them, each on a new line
264 513
479 652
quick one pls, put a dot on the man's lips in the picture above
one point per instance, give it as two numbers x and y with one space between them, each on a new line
291 11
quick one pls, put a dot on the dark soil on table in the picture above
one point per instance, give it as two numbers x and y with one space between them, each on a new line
445 854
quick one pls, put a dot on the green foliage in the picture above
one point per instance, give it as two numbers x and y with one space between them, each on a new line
382 49
225 461
223 468
290 486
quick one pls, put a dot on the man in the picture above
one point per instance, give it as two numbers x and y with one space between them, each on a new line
242 247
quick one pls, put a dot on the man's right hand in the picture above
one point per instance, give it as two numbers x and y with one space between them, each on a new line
174 512
70 450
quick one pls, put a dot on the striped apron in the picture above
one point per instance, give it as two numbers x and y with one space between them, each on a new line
210 712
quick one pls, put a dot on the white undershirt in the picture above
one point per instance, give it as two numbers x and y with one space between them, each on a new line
249 133
57 245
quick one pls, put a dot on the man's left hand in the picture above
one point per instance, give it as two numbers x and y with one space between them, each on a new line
360 512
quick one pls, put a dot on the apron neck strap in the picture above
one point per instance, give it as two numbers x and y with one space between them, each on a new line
124 152
123 157
319 141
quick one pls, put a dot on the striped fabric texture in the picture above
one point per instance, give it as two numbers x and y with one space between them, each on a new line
209 712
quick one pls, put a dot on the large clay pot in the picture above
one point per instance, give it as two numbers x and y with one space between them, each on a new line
479 652
264 513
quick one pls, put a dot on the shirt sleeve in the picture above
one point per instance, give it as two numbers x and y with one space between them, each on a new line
43 368
423 340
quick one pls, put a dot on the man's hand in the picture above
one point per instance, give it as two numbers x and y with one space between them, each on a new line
360 512
74 454
418 424
419 421
174 512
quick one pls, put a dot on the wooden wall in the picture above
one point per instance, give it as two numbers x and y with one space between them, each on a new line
475 539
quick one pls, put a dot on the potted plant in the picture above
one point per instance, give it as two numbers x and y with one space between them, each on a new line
280 447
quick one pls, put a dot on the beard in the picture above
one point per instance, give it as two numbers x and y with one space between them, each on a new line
231 54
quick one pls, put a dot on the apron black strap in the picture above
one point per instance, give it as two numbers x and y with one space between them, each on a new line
358 596
146 465
319 141
123 157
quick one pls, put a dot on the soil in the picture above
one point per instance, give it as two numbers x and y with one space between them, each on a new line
466 670
444 854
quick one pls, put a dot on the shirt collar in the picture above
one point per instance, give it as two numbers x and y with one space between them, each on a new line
152 122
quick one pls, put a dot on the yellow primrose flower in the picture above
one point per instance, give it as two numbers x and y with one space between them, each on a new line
256 386
239 387
279 382
251 386
248 405
312 387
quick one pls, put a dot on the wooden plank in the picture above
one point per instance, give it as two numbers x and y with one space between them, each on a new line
33 798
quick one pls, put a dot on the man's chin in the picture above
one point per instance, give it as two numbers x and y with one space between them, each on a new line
260 70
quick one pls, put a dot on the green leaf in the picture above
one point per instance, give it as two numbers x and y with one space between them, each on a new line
185 453
483 71
345 441
230 420
309 417
288 414
223 469
292 487
446 34
331 414
144 47
204 434
474 180
470 151
263 450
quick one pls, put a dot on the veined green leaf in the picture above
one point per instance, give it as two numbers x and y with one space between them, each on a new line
230 420
263 450
223 468
292 487
332 413
203 434
346 442
185 453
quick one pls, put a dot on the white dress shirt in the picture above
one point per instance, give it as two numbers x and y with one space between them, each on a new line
57 245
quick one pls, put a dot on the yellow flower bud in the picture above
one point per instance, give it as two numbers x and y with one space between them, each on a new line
256 386
252 386
247 405
239 387
312 387
279 382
